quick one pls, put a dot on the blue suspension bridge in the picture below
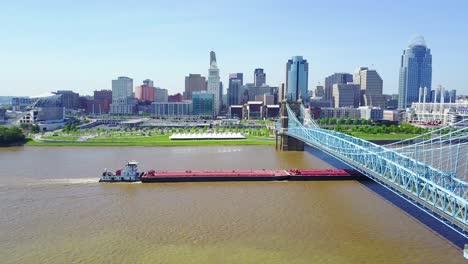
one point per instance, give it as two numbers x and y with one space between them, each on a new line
429 170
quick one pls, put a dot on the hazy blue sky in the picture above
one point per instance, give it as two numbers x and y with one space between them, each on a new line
82 45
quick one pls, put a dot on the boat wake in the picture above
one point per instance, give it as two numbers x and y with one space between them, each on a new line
65 181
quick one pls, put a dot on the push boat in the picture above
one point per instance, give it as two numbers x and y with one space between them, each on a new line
128 174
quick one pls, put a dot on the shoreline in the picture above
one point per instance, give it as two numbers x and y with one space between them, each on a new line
177 143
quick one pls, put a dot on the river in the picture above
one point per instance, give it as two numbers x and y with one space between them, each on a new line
53 210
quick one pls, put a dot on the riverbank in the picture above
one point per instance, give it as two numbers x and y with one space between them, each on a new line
161 140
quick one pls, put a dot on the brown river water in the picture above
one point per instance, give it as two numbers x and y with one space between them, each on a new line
52 210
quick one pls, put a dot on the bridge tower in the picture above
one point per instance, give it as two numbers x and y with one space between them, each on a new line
284 142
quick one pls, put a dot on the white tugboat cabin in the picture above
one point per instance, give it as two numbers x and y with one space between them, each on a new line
128 174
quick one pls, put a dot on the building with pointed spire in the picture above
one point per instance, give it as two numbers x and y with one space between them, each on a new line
415 72
214 83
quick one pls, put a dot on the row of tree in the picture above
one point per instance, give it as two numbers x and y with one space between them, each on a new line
343 121
11 135
402 129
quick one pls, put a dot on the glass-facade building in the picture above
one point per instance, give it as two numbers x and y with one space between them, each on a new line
202 103
415 72
297 79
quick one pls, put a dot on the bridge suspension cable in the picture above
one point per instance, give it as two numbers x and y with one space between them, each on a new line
425 169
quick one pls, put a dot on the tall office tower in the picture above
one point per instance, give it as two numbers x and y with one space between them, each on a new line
415 72
122 88
319 91
346 95
202 103
234 93
213 82
259 77
297 79
122 96
194 83
452 96
221 91
371 88
160 95
145 92
102 101
148 82
335 78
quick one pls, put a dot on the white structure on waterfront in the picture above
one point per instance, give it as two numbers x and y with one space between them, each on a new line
443 113
205 136
214 82
123 101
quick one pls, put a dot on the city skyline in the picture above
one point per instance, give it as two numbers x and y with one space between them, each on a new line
80 47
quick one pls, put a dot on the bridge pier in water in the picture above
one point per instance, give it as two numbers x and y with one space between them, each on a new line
284 142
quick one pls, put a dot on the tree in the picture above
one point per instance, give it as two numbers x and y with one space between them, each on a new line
35 128
355 121
348 121
11 135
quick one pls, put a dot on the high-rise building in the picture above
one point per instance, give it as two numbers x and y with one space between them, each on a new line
100 103
145 92
319 91
236 80
440 95
415 72
336 78
148 82
346 95
123 101
202 103
297 79
122 88
214 83
160 95
371 88
259 77
194 83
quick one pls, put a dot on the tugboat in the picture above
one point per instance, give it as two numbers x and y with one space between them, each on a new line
128 174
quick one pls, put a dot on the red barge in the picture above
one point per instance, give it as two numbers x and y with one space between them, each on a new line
130 174
248 175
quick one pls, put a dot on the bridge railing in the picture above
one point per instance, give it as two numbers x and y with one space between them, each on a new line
433 187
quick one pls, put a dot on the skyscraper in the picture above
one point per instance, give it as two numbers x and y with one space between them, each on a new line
194 83
371 87
122 88
319 91
214 82
346 95
297 79
336 78
259 77
236 80
415 72
146 91
123 101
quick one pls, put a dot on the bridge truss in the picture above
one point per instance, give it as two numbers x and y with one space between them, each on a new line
429 169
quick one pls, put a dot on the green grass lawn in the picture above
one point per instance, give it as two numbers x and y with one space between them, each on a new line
71 138
393 136
159 140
